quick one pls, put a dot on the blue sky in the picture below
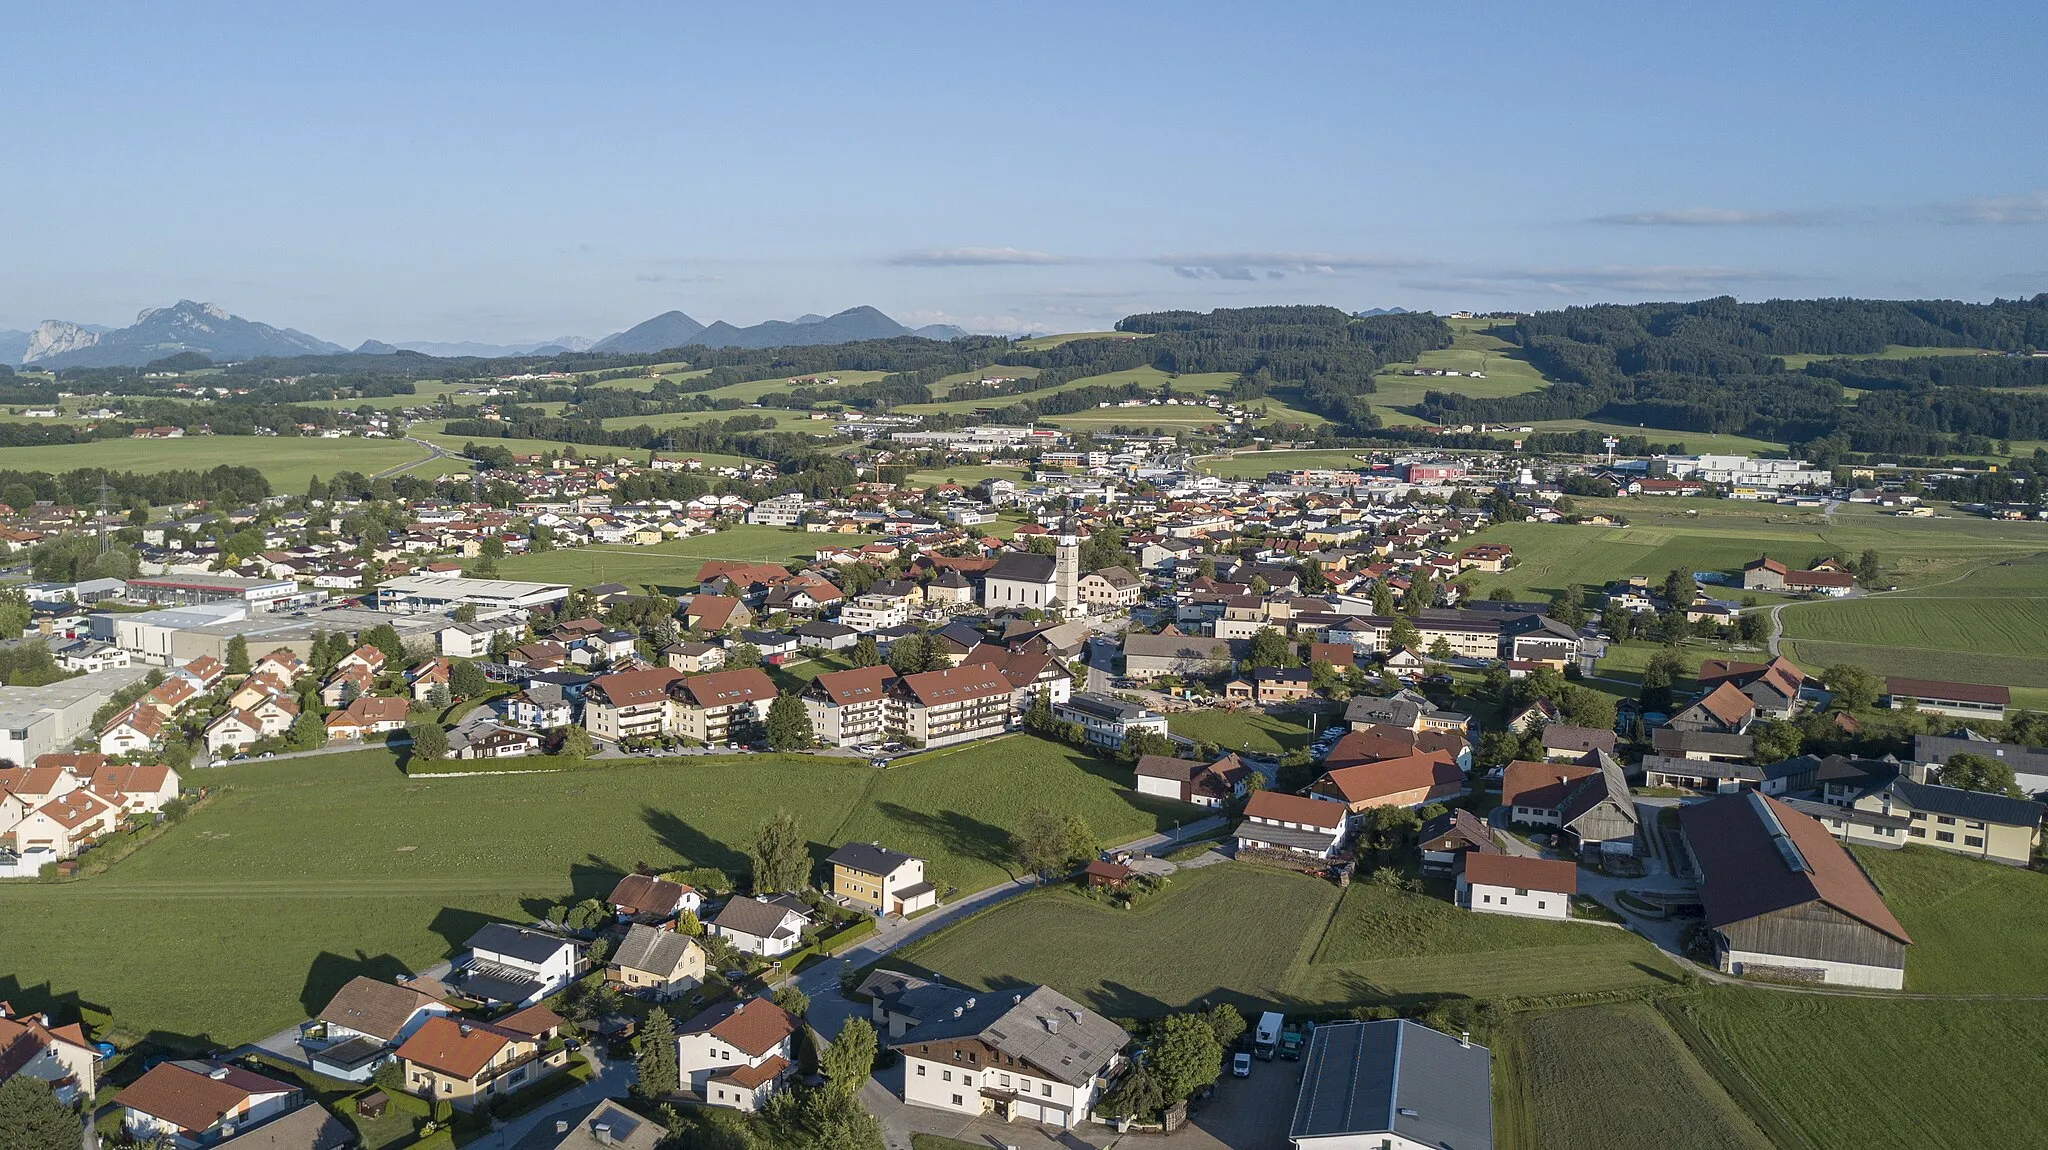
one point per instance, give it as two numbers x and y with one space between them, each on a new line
523 171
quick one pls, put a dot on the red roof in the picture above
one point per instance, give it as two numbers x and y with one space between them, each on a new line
1520 872
1936 689
1540 785
1272 806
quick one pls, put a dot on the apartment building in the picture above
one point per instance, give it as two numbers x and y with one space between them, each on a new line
850 707
630 704
706 707
954 705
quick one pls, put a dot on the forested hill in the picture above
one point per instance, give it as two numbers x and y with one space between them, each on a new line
1716 366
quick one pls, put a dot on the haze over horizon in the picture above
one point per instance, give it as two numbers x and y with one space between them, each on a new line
514 174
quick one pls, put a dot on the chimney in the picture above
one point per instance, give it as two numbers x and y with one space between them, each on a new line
1052 1025
603 1131
462 1028
561 1125
1016 1000
1465 1039
957 1012
218 1073
970 1004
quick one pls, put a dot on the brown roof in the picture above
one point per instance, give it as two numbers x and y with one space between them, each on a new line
728 688
755 1026
630 687
1365 782
1168 767
712 612
138 779
1746 872
748 1077
82 765
1370 745
533 1022
1728 704
1558 737
454 1047
194 1100
1520 872
1335 654
1276 807
860 685
741 573
955 684
646 894
1819 579
374 1008
1458 825
73 809
1936 689
1109 871
1540 785
375 709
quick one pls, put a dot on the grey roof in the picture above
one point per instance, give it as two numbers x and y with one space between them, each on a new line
1190 647
1271 834
649 949
1102 706
1669 741
823 630
1024 567
1400 710
625 1130
1043 1028
1978 805
762 919
1940 748
310 1127
514 942
869 858
1395 1077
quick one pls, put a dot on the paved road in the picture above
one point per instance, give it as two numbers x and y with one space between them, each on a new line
830 1009
614 1079
435 451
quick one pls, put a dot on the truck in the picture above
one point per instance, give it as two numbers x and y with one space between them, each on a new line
1266 1039
1290 1043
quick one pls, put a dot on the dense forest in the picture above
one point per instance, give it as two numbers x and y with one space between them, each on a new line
1716 366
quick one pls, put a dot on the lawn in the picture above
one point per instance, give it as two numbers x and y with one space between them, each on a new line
1044 341
1258 937
1850 1073
1978 927
966 474
673 563
270 897
784 419
1891 351
999 370
1609 1075
1253 732
289 463
754 389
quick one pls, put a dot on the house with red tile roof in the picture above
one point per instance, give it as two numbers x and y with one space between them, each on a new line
737 1054
197 1103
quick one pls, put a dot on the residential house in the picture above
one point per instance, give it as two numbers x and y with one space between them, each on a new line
1447 838
64 824
709 707
492 741
311 1127
1406 1087
605 1126
1706 746
1150 656
141 789
1589 805
850 707
1974 823
512 964
1191 781
822 636
197 1103
1111 587
770 927
714 613
1410 781
1783 899
737 1054
132 732
1565 744
1105 719
2029 764
643 898
468 1063
1374 743
368 715
655 963
1402 709
1723 710
1773 687
364 1022
1028 1054
60 1057
880 881
693 658
1500 883
540 706
1292 823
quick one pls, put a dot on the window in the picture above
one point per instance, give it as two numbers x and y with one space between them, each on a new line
1522 892
967 1080
947 1075
1944 820
1046 1090
725 1055
1540 904
1917 832
956 1100
1485 898
1973 840
920 1070
1944 836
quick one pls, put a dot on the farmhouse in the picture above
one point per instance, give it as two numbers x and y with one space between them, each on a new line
1392 1085
1447 838
1498 883
1590 805
1783 899
1191 781
1724 710
1408 781
655 963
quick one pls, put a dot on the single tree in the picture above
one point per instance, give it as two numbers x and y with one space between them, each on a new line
1680 589
577 744
238 655
1043 845
31 1118
1270 648
1228 1023
742 655
1774 741
1980 773
822 1119
1184 1055
1405 637
781 857
1851 687
792 999
1441 650
429 741
307 732
1137 1094
850 1058
467 679
789 724
385 638
659 1074
865 653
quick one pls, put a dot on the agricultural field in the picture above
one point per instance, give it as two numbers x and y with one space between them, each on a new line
1891 351
1042 342
1694 442
1472 349
785 419
1839 1072
1650 1091
289 464
1971 921
672 564
1255 464
1243 933
303 873
947 383
756 388
1149 378
966 474
1249 731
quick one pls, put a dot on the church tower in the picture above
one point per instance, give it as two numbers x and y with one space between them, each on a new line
1067 574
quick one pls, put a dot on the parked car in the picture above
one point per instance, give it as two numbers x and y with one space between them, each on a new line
1241 1065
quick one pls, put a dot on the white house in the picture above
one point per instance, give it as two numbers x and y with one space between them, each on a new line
510 964
1293 823
1511 884
194 1104
769 927
1028 1054
363 1024
737 1054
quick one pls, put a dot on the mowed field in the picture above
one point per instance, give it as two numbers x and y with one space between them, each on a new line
1837 1072
1149 378
1990 626
1252 732
1609 1076
1255 464
1252 935
1977 927
1472 349
671 564
303 873
288 463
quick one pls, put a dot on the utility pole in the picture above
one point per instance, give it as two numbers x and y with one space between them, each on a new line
103 515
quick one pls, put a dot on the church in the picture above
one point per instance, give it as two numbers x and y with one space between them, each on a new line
1046 583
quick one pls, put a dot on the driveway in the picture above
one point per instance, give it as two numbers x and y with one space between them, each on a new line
285 1043
614 1079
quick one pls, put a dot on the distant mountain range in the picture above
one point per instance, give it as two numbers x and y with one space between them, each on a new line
674 329
209 330
163 331
1369 312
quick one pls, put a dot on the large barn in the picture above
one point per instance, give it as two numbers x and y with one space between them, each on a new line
1785 900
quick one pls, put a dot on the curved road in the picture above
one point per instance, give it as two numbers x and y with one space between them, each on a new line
434 451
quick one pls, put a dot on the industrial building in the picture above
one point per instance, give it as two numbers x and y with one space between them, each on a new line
444 593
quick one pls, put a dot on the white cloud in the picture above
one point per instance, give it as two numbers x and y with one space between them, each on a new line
971 257
1562 281
1275 265
1710 218
2031 208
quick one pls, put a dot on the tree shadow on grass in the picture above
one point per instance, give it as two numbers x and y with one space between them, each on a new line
959 834
330 972
62 1007
456 926
693 846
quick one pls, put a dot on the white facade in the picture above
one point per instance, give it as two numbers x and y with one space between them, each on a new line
703 1057
1525 901
1832 973
946 1086
874 613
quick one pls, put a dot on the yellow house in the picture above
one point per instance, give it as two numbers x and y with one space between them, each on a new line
879 880
464 1063
656 963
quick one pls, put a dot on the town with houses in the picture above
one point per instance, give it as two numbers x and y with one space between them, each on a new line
1099 600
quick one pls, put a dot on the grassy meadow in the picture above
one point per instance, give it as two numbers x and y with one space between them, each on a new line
1969 920
301 873
673 563
288 463
1249 731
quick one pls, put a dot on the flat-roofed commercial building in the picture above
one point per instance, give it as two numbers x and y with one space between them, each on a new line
442 593
190 590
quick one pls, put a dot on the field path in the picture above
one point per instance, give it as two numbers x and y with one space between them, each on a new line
1778 625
